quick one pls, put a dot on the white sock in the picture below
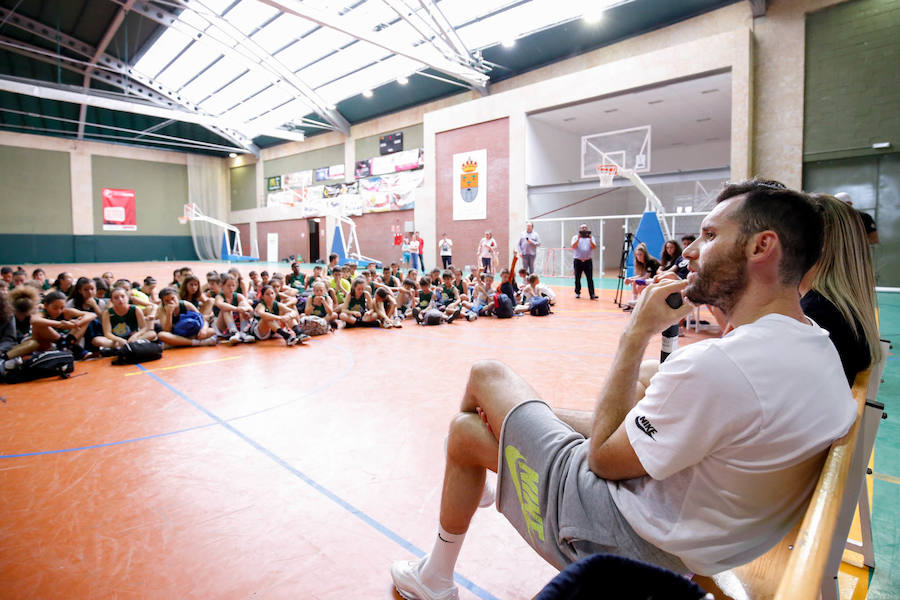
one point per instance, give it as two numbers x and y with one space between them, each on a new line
437 569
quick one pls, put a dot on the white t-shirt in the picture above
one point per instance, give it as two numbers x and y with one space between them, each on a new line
446 245
732 433
486 247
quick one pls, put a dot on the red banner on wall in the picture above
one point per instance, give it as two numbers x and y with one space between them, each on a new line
119 213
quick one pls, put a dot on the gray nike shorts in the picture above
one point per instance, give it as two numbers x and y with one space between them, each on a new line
554 501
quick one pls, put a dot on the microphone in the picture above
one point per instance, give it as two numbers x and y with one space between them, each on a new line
670 335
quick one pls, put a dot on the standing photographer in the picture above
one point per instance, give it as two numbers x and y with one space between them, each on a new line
583 245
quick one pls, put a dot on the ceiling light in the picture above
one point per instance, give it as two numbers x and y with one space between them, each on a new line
655 102
567 119
331 106
712 91
368 93
611 110
508 43
704 119
403 80
232 155
592 16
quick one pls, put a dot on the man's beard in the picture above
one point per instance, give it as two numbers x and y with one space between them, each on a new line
720 282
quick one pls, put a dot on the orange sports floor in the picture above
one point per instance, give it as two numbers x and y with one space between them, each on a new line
270 472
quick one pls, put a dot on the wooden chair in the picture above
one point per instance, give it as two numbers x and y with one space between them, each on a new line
805 563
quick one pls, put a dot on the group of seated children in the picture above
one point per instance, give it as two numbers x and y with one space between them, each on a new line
92 317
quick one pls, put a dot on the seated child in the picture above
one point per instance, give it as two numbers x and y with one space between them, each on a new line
171 313
61 327
23 302
63 282
190 290
406 297
339 285
123 323
82 297
18 278
39 275
483 296
284 294
145 296
320 305
534 288
386 309
275 317
235 317
450 301
426 311
254 286
357 308
296 279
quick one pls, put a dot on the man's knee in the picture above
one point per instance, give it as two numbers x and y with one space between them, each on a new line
486 370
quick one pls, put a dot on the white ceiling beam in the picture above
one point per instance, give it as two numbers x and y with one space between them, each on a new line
247 52
79 95
112 71
98 54
426 54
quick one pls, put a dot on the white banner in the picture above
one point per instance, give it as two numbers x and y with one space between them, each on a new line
470 185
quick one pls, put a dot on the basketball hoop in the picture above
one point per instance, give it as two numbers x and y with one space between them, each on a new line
188 214
605 174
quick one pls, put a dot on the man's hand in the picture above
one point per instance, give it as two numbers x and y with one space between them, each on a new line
652 314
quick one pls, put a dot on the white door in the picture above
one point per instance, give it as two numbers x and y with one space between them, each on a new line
272 247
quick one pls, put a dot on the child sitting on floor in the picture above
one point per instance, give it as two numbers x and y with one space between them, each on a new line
319 304
357 309
61 327
275 317
123 323
235 314
193 332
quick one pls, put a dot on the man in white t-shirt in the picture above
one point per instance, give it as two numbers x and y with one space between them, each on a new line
704 467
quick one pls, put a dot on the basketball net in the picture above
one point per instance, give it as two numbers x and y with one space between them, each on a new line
606 173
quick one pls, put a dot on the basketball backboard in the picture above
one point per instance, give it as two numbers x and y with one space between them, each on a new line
625 148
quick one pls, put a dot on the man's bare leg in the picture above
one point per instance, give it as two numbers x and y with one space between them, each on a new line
493 390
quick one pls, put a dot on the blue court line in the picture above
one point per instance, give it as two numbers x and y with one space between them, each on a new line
340 376
107 444
384 530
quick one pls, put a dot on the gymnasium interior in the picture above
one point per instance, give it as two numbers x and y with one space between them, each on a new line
138 137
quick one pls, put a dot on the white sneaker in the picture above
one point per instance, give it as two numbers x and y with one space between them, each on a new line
210 341
405 574
247 338
235 339
471 316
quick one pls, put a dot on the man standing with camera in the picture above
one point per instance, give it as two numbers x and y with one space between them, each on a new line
583 245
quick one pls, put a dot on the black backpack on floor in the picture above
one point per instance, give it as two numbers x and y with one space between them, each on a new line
53 363
138 351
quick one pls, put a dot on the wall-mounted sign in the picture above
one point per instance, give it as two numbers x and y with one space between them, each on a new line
119 212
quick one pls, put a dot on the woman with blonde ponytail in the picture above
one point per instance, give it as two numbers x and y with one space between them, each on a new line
838 293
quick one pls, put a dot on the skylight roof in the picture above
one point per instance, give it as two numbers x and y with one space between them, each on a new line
256 64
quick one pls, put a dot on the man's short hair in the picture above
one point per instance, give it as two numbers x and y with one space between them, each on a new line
771 206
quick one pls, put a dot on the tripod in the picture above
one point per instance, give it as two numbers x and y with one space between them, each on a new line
626 249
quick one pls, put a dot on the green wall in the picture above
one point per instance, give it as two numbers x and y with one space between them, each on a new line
160 191
36 191
314 159
413 137
243 187
852 96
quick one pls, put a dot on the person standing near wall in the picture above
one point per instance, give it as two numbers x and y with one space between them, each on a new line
446 248
528 245
487 248
418 238
583 245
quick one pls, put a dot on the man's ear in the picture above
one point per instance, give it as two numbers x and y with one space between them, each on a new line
763 245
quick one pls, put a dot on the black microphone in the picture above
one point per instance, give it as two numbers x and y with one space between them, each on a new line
670 335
